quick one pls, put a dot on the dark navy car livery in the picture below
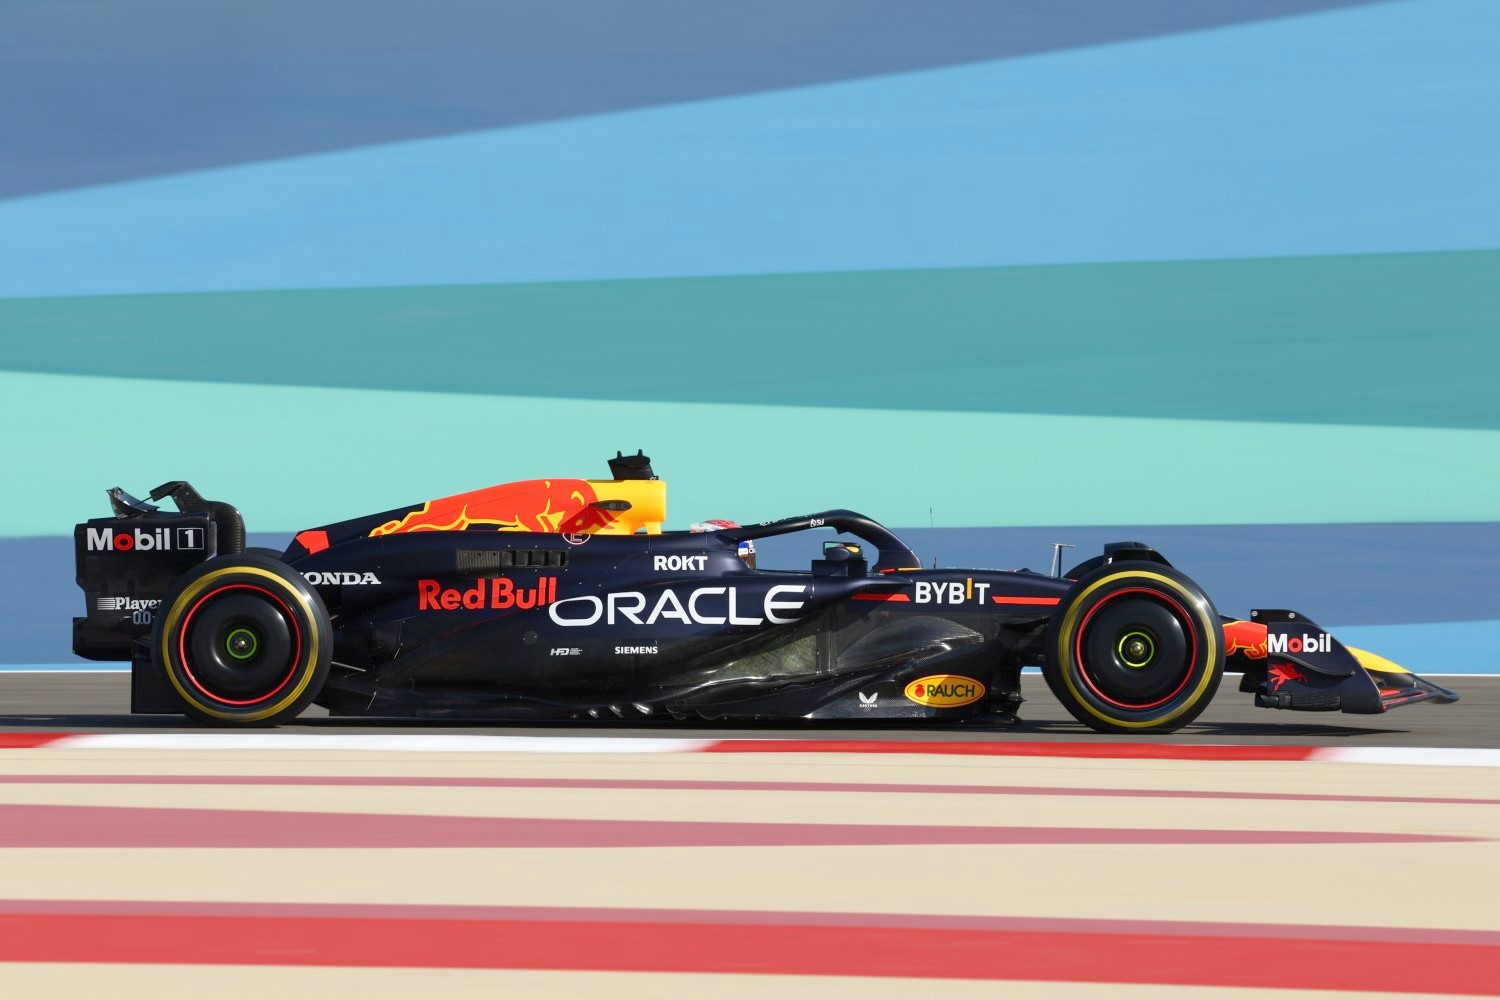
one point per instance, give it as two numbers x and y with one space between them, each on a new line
558 599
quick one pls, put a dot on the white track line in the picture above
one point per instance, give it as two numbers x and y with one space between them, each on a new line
406 742
1424 756
468 743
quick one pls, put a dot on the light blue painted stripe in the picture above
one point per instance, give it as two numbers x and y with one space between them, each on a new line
71 667
1366 129
1456 648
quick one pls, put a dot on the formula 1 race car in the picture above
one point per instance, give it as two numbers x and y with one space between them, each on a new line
559 599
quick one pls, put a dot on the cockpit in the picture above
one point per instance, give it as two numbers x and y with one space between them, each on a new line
838 557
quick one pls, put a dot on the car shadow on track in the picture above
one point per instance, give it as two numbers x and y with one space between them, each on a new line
1040 730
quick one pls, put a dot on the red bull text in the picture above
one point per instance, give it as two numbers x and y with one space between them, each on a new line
498 594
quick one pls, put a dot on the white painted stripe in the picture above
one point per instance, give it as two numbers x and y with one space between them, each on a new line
407 742
1422 756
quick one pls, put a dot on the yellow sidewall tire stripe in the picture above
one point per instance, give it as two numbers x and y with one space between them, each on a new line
1065 642
185 600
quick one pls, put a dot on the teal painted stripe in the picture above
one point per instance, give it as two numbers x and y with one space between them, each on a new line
1400 339
294 457
1367 129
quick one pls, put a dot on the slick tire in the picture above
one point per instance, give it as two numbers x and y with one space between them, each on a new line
243 640
1135 647
1087 566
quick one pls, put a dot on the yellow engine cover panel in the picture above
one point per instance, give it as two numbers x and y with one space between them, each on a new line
549 506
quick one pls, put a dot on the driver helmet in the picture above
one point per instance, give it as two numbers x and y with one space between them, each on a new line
746 546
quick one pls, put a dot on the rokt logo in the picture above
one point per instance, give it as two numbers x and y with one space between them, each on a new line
162 539
664 564
944 691
1304 643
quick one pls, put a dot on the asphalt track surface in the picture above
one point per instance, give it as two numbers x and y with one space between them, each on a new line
553 871
101 703
307 872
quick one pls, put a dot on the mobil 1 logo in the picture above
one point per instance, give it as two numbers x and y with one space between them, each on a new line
165 538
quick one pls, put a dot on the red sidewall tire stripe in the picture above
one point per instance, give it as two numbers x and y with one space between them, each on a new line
1183 616
182 657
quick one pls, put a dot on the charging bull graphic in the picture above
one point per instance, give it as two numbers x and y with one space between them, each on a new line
550 506
1246 638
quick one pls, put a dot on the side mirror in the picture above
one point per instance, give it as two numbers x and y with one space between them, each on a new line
842 550
840 559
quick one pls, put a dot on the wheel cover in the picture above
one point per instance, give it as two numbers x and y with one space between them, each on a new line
1136 648
242 643
236 641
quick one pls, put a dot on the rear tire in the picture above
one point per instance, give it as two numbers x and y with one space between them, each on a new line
1134 647
244 641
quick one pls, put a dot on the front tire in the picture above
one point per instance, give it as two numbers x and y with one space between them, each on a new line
1135 647
243 641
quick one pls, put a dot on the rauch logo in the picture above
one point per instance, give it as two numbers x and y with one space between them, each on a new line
944 691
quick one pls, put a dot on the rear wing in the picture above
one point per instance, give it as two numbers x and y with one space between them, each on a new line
126 563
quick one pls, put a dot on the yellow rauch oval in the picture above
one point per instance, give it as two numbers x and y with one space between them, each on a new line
944 691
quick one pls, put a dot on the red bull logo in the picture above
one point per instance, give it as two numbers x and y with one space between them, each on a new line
1246 638
550 506
497 594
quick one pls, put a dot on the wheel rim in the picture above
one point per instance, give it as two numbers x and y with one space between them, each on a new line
240 645
1136 648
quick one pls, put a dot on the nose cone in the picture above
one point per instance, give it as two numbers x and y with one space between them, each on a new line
1397 685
